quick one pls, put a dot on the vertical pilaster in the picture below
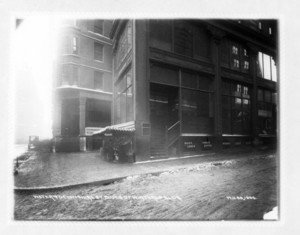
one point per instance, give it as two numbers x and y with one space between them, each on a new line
141 88
253 53
216 36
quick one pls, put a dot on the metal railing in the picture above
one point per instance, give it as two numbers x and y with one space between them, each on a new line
172 135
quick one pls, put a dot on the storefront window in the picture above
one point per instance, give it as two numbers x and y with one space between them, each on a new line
196 81
196 105
236 108
164 75
266 111
97 113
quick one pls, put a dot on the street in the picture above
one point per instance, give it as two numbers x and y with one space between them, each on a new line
242 189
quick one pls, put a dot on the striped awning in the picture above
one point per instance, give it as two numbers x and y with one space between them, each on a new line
123 127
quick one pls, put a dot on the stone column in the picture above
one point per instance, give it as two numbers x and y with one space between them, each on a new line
253 53
141 89
82 113
216 36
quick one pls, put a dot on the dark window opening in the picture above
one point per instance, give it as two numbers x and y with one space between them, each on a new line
98 26
98 52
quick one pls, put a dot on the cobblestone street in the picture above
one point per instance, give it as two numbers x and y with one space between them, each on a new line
241 189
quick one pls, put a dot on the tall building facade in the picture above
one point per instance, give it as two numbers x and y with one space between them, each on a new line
188 86
83 84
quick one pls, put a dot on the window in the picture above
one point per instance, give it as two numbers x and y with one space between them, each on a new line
246 65
75 45
235 50
124 45
201 42
239 88
266 111
98 80
124 99
197 111
98 113
70 117
197 103
236 109
194 80
161 34
259 25
266 67
183 38
98 26
98 53
180 36
69 75
236 63
246 53
164 75
270 31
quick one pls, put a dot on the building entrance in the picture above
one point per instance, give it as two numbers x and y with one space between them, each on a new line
164 112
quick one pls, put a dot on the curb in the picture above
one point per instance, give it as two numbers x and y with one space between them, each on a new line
112 180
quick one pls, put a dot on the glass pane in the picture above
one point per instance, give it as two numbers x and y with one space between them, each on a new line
183 39
121 86
189 79
246 113
193 80
205 83
98 52
260 94
268 96
260 65
267 66
129 79
274 71
237 89
161 34
164 75
201 42
237 115
98 26
197 112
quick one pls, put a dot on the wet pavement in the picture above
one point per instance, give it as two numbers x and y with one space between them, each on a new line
243 188
60 169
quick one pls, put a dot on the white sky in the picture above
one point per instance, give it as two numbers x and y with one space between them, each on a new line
33 57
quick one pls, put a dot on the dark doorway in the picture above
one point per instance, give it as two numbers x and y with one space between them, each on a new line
163 114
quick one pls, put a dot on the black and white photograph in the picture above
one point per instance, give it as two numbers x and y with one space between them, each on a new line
152 119
140 115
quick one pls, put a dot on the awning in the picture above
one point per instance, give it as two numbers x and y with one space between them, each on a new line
123 127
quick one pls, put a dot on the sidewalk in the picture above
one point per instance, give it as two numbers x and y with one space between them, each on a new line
48 170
